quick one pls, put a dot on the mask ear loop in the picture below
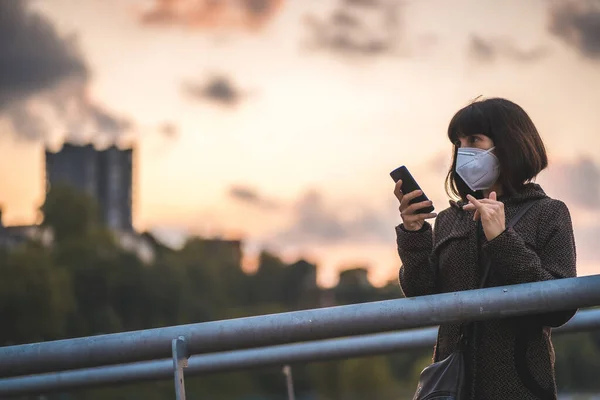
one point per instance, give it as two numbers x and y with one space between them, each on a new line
484 153
489 150
476 154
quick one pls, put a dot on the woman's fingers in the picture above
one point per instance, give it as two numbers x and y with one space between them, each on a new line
404 204
428 216
474 201
412 218
483 206
413 208
488 201
419 217
398 190
472 206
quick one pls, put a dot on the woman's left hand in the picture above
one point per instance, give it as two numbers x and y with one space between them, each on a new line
491 213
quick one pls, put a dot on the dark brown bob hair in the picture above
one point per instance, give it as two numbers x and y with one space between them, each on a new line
519 147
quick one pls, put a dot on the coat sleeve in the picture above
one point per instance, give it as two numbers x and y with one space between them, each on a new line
419 265
555 257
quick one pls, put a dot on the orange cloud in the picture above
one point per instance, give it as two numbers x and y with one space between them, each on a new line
212 14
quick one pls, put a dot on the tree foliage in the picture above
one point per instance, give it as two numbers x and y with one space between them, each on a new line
86 283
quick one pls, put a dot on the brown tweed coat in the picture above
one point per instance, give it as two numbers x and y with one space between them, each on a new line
509 358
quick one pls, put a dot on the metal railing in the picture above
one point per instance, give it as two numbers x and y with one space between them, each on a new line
322 350
179 342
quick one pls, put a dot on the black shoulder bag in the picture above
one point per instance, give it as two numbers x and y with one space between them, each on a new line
445 379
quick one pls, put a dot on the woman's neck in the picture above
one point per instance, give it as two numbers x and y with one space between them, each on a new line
496 188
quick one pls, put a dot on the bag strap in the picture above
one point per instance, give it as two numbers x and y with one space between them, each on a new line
464 331
521 212
513 221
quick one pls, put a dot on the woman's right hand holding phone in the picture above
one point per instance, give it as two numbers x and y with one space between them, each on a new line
411 220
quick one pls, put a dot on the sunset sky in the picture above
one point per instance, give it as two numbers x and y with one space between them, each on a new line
279 121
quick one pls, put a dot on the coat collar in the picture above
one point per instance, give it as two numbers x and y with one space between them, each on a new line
464 225
530 191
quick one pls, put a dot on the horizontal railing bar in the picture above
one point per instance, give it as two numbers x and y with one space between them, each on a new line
330 349
298 326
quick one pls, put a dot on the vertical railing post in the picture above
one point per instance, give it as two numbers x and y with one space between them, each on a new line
287 371
180 361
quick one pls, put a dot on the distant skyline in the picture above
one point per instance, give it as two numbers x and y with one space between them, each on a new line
279 123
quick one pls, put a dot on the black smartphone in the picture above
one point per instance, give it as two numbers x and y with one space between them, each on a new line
409 184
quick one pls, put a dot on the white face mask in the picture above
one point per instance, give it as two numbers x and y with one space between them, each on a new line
478 168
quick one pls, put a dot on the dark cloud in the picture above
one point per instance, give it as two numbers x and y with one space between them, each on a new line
169 130
357 28
577 183
578 24
344 19
27 125
364 3
481 49
210 14
250 196
218 90
106 122
34 57
259 7
487 50
316 222
43 73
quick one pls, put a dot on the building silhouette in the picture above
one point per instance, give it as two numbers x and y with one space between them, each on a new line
105 175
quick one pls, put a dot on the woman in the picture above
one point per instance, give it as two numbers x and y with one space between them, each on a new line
497 154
